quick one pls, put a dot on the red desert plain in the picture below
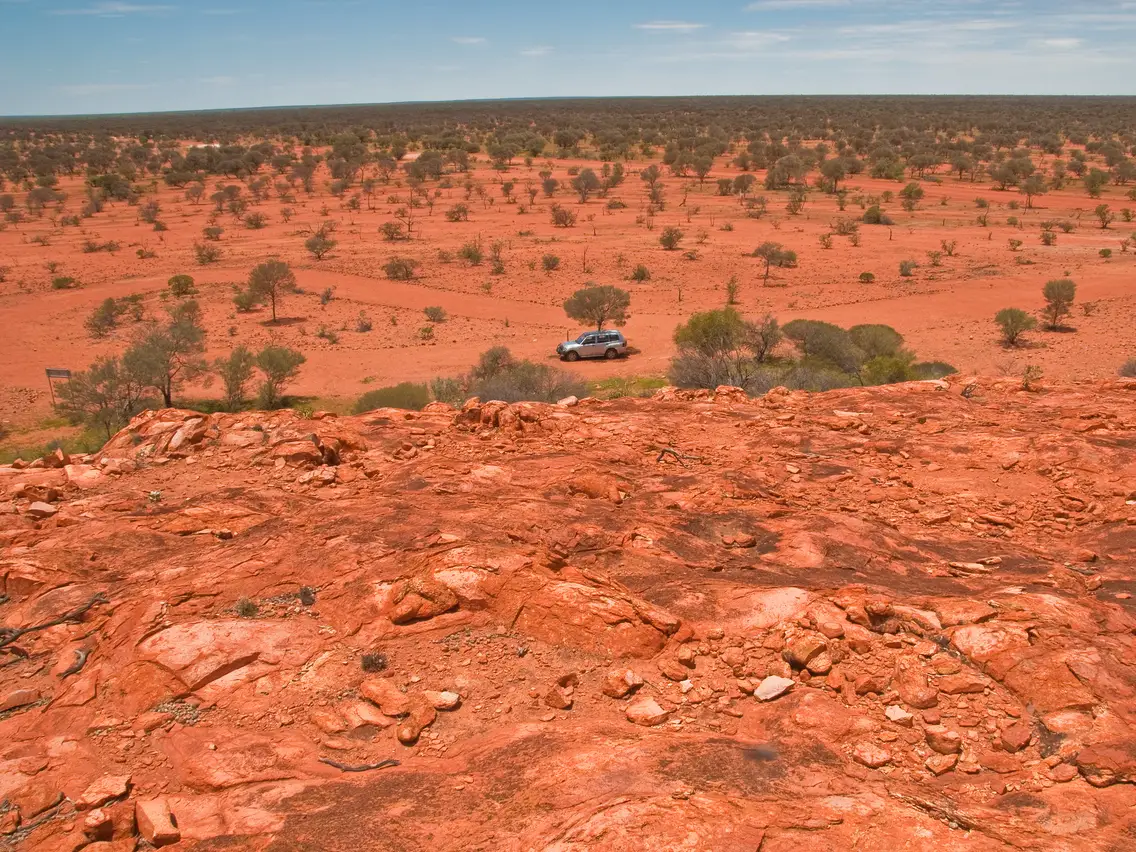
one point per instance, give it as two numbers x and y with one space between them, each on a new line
323 548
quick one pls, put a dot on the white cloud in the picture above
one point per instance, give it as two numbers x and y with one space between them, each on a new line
669 26
467 40
540 50
114 10
1062 43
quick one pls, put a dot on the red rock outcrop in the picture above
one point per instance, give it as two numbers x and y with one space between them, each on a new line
894 617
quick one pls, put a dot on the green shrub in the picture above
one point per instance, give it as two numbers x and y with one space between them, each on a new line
181 286
907 267
400 268
867 277
875 216
64 282
435 314
550 263
1014 322
640 273
1128 369
406 395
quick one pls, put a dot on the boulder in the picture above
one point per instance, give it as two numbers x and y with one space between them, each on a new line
156 824
772 687
646 711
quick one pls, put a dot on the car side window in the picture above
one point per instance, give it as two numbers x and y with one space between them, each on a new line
589 340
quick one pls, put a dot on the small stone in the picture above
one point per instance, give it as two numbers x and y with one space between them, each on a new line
963 683
871 755
1016 737
831 629
1063 773
558 699
442 700
155 822
388 697
18 698
937 764
646 711
619 683
103 791
772 687
39 511
672 669
942 740
897 714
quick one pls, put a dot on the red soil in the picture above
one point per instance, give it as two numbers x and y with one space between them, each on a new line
944 312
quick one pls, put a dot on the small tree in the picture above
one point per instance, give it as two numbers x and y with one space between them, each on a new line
562 217
640 273
163 357
392 231
1014 322
598 304
1059 295
585 183
550 263
435 314
670 238
319 245
235 372
279 365
774 254
1104 214
181 286
271 281
105 395
1031 186
400 268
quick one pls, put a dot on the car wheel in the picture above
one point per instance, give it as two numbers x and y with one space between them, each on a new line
572 356
611 354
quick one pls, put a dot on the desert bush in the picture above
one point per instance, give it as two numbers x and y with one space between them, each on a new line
255 221
670 238
104 319
458 213
64 282
1128 369
935 258
825 241
1105 253
181 286
206 254
235 372
435 314
405 395
875 216
400 268
279 365
550 263
212 233
374 662
426 333
907 268
932 370
562 217
640 273
363 323
867 277
1059 295
471 253
1014 322
319 245
949 247
521 381
328 334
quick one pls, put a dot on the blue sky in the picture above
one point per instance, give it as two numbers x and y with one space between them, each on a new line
83 56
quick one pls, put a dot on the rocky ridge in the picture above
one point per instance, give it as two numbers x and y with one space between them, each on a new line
888 618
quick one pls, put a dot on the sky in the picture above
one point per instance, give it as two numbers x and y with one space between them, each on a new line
92 56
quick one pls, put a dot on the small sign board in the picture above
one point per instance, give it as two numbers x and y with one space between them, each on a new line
58 374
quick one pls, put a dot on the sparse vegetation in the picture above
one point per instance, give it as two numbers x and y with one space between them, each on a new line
1014 322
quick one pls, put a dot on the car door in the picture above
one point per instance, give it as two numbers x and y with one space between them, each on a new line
591 346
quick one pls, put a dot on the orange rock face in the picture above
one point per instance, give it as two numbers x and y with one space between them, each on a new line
237 631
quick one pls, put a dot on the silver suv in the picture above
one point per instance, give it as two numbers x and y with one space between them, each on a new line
593 344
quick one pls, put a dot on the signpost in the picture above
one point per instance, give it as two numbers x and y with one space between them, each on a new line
55 374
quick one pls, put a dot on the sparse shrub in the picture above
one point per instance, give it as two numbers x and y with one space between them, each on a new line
319 245
406 395
935 257
212 232
471 253
867 277
247 608
907 268
1015 245
1014 322
1048 238
949 247
400 268
245 300
181 286
670 238
1128 369
64 282
458 213
206 254
1066 226
640 273
374 662
330 335
875 216
255 221
550 263
435 314
562 217
426 333
825 241
327 295
1105 253
732 288
363 323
